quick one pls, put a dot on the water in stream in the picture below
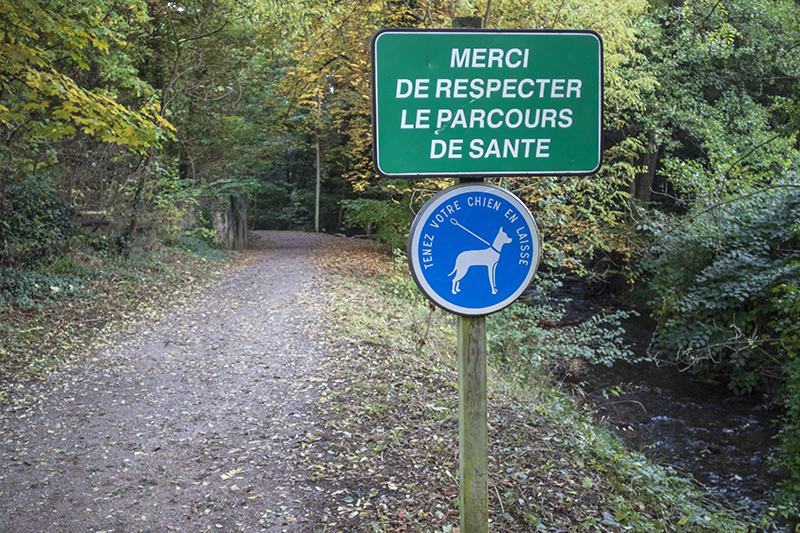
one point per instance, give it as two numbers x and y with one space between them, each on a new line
720 440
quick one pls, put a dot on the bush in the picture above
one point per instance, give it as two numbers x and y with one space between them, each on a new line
530 335
388 220
725 292
34 223
200 247
712 287
787 299
106 246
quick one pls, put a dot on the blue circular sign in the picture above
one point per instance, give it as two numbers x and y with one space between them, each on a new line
473 249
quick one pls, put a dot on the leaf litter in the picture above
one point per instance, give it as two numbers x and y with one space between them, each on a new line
290 396
185 421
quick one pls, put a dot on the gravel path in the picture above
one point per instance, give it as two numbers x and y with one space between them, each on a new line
189 422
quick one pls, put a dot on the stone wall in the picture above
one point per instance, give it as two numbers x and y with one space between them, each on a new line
230 221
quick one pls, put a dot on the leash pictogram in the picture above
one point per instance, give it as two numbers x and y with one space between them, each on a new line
451 271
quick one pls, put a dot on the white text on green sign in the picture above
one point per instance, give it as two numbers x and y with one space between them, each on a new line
487 103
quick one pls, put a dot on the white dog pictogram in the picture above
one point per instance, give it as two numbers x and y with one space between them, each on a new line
487 257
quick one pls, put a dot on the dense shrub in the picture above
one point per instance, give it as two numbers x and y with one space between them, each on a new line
387 222
34 222
532 334
201 247
787 300
713 286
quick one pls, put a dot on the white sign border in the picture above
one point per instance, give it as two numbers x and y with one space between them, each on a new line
425 175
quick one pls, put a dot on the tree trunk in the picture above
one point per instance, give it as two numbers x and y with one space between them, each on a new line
136 205
642 186
316 191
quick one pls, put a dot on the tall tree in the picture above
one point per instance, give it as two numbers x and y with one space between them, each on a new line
722 68
62 73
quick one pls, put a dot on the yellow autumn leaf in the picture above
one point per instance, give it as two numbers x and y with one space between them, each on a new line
100 44
236 471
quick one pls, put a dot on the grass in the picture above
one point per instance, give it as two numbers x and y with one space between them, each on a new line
550 467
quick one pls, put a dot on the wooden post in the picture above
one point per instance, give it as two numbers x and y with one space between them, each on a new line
473 440
473 434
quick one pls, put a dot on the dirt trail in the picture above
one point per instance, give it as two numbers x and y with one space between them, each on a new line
186 423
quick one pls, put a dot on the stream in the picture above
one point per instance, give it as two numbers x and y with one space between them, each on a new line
722 441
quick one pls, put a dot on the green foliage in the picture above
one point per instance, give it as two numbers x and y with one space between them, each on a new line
107 246
398 283
786 323
582 218
34 223
44 45
30 290
45 254
722 68
385 221
203 226
300 213
528 336
713 283
268 201
281 206
163 205
724 118
200 247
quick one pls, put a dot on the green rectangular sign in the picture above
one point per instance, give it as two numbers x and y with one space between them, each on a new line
486 103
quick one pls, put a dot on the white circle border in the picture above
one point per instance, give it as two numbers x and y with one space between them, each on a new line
416 232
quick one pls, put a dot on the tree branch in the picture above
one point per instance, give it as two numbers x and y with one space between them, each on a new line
745 156
209 34
729 201
710 13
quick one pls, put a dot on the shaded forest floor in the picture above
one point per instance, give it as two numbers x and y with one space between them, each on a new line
306 390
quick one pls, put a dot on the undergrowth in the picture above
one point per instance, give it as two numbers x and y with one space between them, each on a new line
551 468
50 312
